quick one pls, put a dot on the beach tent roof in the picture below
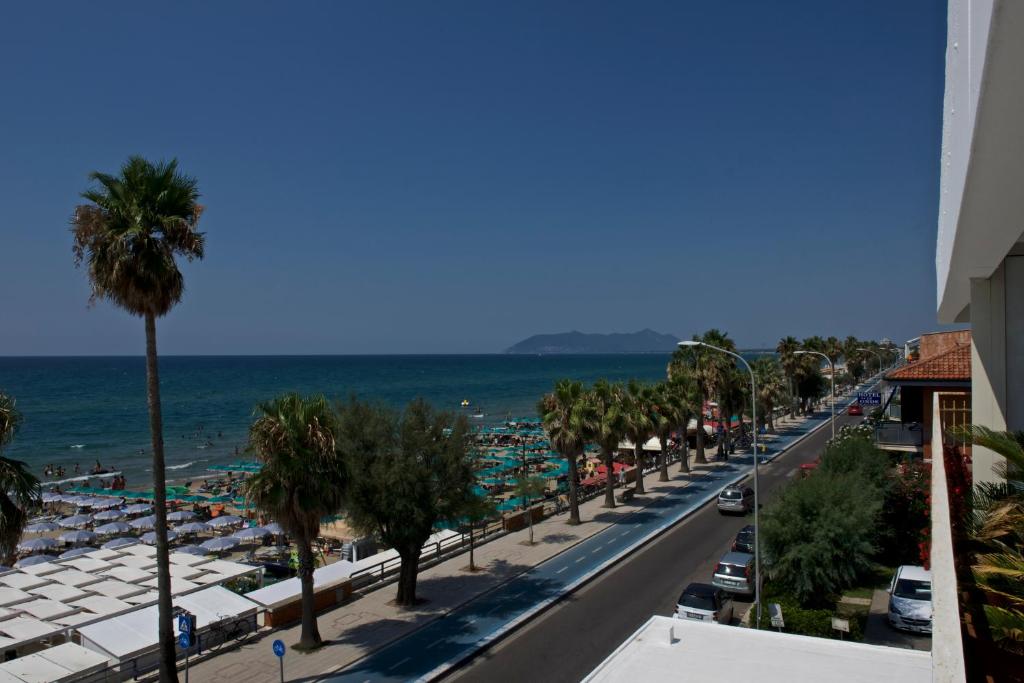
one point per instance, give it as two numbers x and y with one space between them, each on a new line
66 662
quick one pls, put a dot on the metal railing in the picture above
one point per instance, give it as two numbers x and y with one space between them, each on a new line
899 434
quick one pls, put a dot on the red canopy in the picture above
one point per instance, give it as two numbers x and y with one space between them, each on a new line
616 468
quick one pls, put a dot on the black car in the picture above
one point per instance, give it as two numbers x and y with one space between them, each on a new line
744 542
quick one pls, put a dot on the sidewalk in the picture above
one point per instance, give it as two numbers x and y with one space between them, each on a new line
370 621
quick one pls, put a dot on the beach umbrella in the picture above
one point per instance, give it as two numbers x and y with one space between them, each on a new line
194 528
75 521
274 528
85 501
138 509
80 536
37 545
149 538
51 497
143 523
219 499
117 543
181 516
220 544
75 552
108 515
191 550
113 528
225 521
35 559
42 527
107 503
251 534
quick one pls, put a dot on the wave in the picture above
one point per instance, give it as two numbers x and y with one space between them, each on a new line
180 467
84 477
77 445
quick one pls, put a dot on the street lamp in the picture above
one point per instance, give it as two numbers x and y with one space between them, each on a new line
753 418
832 402
864 348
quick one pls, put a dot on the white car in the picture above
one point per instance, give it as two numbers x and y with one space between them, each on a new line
910 599
702 602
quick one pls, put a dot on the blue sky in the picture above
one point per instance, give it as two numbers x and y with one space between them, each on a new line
455 176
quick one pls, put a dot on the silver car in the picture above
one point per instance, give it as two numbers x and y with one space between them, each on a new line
735 573
736 499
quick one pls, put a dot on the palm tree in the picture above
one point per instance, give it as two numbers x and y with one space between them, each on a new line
529 488
638 424
683 376
790 361
129 235
771 388
666 412
716 372
569 423
19 488
301 481
610 422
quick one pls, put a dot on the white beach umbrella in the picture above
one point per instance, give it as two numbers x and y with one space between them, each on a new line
225 521
75 521
192 550
220 544
274 528
113 528
143 523
34 559
251 534
107 503
194 528
117 543
138 509
51 497
42 527
181 516
75 552
108 515
37 545
80 536
149 538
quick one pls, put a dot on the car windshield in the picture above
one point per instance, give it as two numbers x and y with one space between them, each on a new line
732 494
746 537
731 570
694 601
914 590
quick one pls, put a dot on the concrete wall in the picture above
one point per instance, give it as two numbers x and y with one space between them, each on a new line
936 343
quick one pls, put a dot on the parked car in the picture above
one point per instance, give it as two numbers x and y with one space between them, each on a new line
855 409
744 542
910 599
703 602
736 499
735 573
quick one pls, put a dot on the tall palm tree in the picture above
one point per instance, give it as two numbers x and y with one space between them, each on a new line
666 412
771 388
569 423
606 400
684 379
128 236
301 481
716 373
19 488
786 348
638 424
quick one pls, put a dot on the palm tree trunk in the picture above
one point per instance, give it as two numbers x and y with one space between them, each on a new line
663 457
407 575
792 398
529 516
701 458
638 456
609 481
472 562
684 459
310 635
165 629
771 417
574 498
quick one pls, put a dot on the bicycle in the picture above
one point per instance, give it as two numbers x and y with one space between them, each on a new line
227 628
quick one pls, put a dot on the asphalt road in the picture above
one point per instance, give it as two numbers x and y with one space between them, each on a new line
566 642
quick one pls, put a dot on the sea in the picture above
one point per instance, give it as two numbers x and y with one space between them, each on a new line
86 411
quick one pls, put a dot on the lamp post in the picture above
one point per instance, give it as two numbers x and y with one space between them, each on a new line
832 366
877 354
753 418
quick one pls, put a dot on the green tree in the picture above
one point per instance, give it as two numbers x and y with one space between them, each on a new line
301 482
570 423
406 474
476 510
610 421
19 488
685 385
790 363
529 489
771 389
666 413
129 235
639 426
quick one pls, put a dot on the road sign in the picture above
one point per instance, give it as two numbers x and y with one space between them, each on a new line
775 610
279 648
869 399
184 640
187 623
840 624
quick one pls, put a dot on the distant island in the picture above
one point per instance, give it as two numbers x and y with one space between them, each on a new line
644 341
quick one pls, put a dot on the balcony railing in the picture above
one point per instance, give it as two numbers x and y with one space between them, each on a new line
899 434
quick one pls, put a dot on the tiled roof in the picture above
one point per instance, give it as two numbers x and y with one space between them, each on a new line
953 365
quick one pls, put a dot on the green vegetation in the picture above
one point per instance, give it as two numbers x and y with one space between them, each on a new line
606 405
19 488
569 423
528 489
301 481
128 236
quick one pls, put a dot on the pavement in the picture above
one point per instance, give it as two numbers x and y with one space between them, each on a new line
370 638
878 631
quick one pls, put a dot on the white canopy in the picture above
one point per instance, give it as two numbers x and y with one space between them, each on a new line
283 592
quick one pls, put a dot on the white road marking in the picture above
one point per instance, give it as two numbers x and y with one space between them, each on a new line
561 570
399 663
435 643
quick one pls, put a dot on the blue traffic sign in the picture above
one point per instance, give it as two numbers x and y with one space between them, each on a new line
185 623
279 648
872 399
184 640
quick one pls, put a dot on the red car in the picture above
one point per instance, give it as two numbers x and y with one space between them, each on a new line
855 410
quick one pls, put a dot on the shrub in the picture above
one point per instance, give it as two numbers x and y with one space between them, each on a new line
806 621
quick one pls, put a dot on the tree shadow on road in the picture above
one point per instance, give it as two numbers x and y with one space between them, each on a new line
558 538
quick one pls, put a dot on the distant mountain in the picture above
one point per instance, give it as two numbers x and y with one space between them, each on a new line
644 341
